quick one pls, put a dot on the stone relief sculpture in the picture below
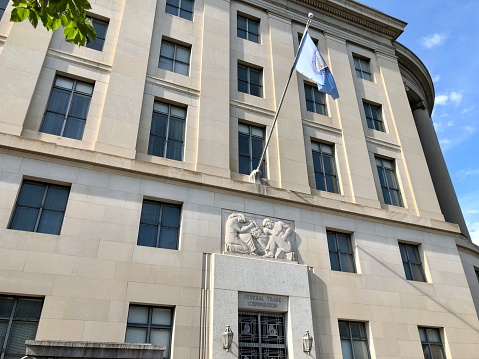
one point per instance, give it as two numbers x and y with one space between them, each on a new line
272 240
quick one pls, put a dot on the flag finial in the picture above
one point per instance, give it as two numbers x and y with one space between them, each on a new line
310 15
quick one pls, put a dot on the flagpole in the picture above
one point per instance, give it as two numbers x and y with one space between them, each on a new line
255 174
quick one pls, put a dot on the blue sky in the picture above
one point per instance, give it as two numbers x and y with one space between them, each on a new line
444 34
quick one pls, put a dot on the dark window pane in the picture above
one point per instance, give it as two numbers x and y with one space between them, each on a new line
181 68
169 238
187 5
242 86
407 271
79 106
52 123
74 128
6 306
413 254
241 33
402 249
360 350
243 143
244 165
147 236
174 150
257 147
150 213
3 330
242 73
331 241
254 38
358 330
347 263
20 332
319 178
183 54
176 130
56 198
166 64
344 243
156 146
417 273
28 308
171 10
135 335
158 124
334 259
253 27
50 222
256 90
170 216
59 100
346 349
24 219
31 194
188 15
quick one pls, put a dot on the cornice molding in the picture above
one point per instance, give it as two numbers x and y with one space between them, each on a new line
386 145
172 86
321 127
102 66
252 108
3 39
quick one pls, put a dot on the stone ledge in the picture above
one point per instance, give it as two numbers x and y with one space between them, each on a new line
92 350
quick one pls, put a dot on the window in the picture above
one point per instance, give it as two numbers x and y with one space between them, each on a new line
159 225
174 57
477 274
248 29
431 342
181 8
3 6
373 117
261 335
250 80
411 262
67 108
315 41
363 69
40 208
151 325
167 133
18 322
324 167
100 28
315 100
250 148
341 254
389 182
354 342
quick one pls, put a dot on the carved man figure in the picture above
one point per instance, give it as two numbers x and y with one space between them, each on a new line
279 243
233 228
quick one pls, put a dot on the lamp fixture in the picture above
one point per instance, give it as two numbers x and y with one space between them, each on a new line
307 342
227 338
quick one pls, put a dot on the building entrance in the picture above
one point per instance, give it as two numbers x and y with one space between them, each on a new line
261 336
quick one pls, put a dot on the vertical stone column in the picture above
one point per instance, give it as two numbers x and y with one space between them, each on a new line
293 170
20 65
121 112
437 167
213 141
360 171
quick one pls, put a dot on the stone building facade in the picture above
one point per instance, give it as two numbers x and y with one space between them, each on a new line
127 214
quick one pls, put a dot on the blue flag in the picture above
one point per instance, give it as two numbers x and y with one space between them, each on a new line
311 64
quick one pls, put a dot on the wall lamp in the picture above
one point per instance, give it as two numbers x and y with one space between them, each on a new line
227 338
307 342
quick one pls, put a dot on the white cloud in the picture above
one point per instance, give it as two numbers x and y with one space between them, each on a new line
433 40
453 97
467 110
462 174
436 78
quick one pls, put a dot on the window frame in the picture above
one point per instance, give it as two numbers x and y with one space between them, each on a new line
2 10
174 60
321 171
248 33
11 319
407 261
41 209
69 105
251 158
428 343
149 326
319 106
248 79
373 123
177 6
91 43
387 188
159 224
338 252
363 73
167 134
352 339
476 270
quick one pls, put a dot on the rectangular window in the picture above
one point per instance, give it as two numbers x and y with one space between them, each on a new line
3 6
354 341
363 69
315 100
100 27
431 342
181 8
152 325
40 208
248 28
250 80
261 335
250 148
159 225
18 322
341 254
175 57
411 261
67 108
167 133
324 165
389 182
477 274
374 117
